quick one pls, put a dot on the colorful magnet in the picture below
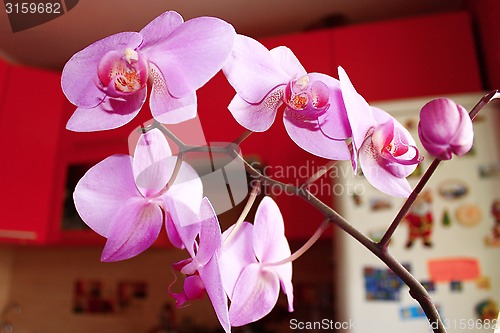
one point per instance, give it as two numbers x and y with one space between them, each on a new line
493 239
357 199
487 310
452 189
428 285
420 220
382 284
489 170
453 269
468 215
456 286
483 282
411 312
380 203
376 235
445 219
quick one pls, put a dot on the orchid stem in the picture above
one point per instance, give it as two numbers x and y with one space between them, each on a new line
307 245
244 213
242 137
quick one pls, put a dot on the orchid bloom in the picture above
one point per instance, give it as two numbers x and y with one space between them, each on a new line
202 269
252 268
386 150
123 198
445 128
107 80
265 80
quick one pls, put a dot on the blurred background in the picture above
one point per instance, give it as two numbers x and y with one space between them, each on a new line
398 54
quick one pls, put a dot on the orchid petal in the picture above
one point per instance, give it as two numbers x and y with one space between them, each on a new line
102 191
164 107
358 112
308 136
186 191
210 237
236 254
381 178
287 61
153 163
334 122
271 245
463 139
404 157
182 224
192 54
444 124
257 117
111 113
211 276
256 293
269 240
160 28
193 289
133 229
173 234
252 70
79 80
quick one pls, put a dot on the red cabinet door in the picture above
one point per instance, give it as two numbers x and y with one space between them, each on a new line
30 121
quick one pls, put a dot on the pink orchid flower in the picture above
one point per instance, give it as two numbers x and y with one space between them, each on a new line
251 267
445 128
202 269
265 80
107 80
123 198
386 150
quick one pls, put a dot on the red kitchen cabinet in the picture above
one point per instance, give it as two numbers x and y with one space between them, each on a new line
30 122
421 56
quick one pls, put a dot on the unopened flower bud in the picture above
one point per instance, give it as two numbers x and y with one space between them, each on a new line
445 128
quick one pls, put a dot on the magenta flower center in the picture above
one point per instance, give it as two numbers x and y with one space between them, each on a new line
122 73
307 98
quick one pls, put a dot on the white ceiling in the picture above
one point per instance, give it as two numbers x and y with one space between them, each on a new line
50 45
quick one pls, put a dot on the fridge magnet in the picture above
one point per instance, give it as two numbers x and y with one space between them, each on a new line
453 269
357 199
411 124
487 310
493 239
483 282
452 189
456 286
411 312
377 234
420 220
380 203
428 285
381 284
446 219
468 215
489 170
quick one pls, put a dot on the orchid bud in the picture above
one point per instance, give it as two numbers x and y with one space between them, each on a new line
445 128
